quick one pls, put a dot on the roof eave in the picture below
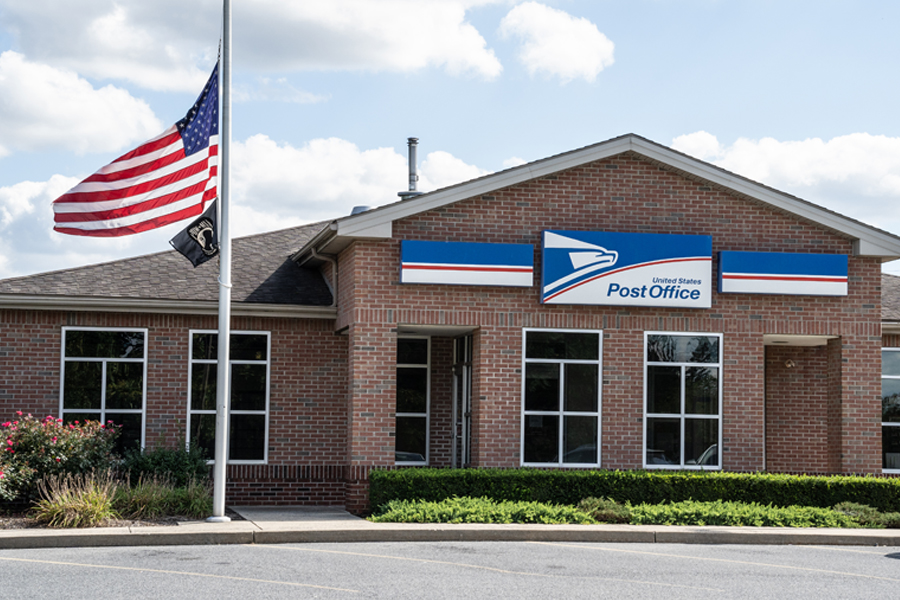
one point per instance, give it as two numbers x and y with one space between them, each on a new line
378 223
182 307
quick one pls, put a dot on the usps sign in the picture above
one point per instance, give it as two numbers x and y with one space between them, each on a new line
463 263
626 269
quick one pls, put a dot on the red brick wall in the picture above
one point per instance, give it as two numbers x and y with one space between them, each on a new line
797 400
628 194
307 404
441 409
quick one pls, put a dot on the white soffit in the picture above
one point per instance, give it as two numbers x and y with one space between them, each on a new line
771 339
435 330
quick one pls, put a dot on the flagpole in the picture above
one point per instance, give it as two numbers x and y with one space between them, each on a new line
223 370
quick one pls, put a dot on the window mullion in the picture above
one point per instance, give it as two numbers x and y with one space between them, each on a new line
561 443
103 392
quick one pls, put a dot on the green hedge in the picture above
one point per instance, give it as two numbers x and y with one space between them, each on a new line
652 487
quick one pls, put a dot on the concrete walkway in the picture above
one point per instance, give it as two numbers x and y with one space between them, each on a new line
275 525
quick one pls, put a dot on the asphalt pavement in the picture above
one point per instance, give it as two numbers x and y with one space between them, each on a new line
276 525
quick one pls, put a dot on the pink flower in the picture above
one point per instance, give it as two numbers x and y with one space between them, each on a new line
57 460
19 412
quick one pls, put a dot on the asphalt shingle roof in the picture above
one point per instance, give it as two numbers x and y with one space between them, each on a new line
890 297
262 272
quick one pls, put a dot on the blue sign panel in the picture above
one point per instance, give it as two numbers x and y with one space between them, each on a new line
461 263
626 269
783 273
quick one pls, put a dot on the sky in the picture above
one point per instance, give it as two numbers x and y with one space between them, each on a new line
801 95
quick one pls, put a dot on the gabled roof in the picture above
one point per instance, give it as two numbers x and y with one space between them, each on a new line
265 282
377 223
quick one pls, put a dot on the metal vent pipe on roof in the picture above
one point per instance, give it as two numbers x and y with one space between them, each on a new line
413 175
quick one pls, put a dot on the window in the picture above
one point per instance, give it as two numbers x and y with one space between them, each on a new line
249 403
890 408
561 397
682 424
104 378
413 385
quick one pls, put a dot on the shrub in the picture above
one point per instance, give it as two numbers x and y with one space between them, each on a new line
604 510
153 497
40 448
148 498
864 515
193 500
76 500
178 465
738 514
654 487
478 510
890 520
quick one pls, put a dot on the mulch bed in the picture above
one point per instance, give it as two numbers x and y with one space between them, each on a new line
20 520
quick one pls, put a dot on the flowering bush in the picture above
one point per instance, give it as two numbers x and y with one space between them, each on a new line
33 448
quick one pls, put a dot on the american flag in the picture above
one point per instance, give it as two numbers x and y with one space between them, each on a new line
165 180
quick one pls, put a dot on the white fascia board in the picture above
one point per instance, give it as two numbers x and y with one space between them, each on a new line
869 241
376 223
181 307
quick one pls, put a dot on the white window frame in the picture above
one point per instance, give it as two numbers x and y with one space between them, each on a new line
682 416
199 361
562 413
427 413
888 423
103 410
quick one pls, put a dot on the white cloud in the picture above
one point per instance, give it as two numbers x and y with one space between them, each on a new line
441 169
277 90
699 144
273 186
513 161
47 108
324 179
557 44
393 35
857 175
158 44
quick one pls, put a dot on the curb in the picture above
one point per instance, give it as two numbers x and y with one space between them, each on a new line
250 533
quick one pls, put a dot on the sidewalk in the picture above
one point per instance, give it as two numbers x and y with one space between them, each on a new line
275 525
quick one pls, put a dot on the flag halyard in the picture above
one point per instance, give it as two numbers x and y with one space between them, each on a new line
167 179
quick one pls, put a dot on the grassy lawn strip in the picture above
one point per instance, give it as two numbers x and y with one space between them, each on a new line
484 510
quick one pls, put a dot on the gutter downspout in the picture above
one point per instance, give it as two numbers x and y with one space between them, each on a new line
334 266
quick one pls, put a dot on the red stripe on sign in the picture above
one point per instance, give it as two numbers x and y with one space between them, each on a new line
786 278
469 268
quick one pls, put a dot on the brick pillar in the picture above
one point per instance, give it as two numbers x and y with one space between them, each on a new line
743 402
860 404
496 402
835 378
372 375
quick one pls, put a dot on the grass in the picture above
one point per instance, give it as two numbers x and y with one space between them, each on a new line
94 499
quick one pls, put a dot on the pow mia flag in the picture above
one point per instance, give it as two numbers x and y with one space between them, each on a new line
199 241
